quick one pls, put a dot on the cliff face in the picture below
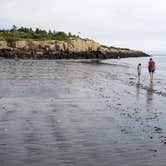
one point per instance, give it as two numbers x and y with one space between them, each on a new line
53 49
73 45
3 44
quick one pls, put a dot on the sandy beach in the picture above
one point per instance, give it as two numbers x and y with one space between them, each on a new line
81 113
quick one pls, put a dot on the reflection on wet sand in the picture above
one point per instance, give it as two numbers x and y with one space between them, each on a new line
67 113
150 92
138 85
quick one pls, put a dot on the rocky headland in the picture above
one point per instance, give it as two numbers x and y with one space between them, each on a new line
75 48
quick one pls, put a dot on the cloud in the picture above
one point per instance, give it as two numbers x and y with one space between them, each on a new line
138 24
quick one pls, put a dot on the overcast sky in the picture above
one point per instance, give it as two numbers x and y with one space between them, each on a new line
136 24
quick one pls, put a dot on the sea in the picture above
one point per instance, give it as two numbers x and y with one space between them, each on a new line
159 75
82 113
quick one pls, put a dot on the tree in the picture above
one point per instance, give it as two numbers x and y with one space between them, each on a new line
23 33
14 28
37 30
49 33
70 35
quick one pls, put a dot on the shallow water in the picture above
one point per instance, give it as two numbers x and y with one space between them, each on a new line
80 113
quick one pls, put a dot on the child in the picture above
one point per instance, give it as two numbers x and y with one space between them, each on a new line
139 71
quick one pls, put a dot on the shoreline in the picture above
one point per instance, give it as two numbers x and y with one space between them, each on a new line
41 54
70 49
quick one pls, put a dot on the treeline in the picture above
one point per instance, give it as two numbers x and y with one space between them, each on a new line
25 33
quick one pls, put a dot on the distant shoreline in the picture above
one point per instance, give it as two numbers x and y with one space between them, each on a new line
70 49
27 43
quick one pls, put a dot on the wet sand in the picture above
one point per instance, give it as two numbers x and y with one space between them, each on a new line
76 114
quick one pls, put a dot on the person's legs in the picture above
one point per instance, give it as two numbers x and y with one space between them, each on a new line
150 73
151 76
139 76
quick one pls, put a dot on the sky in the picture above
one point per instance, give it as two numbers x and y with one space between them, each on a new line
135 24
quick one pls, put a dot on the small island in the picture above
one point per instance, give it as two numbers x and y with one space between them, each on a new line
26 43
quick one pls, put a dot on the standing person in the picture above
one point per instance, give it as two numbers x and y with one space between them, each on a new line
151 68
139 71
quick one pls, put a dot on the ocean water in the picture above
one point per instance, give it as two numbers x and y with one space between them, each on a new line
78 112
159 84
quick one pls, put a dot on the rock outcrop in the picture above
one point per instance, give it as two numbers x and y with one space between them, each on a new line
3 44
53 49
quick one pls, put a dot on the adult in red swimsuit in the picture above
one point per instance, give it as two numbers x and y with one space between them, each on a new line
151 68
